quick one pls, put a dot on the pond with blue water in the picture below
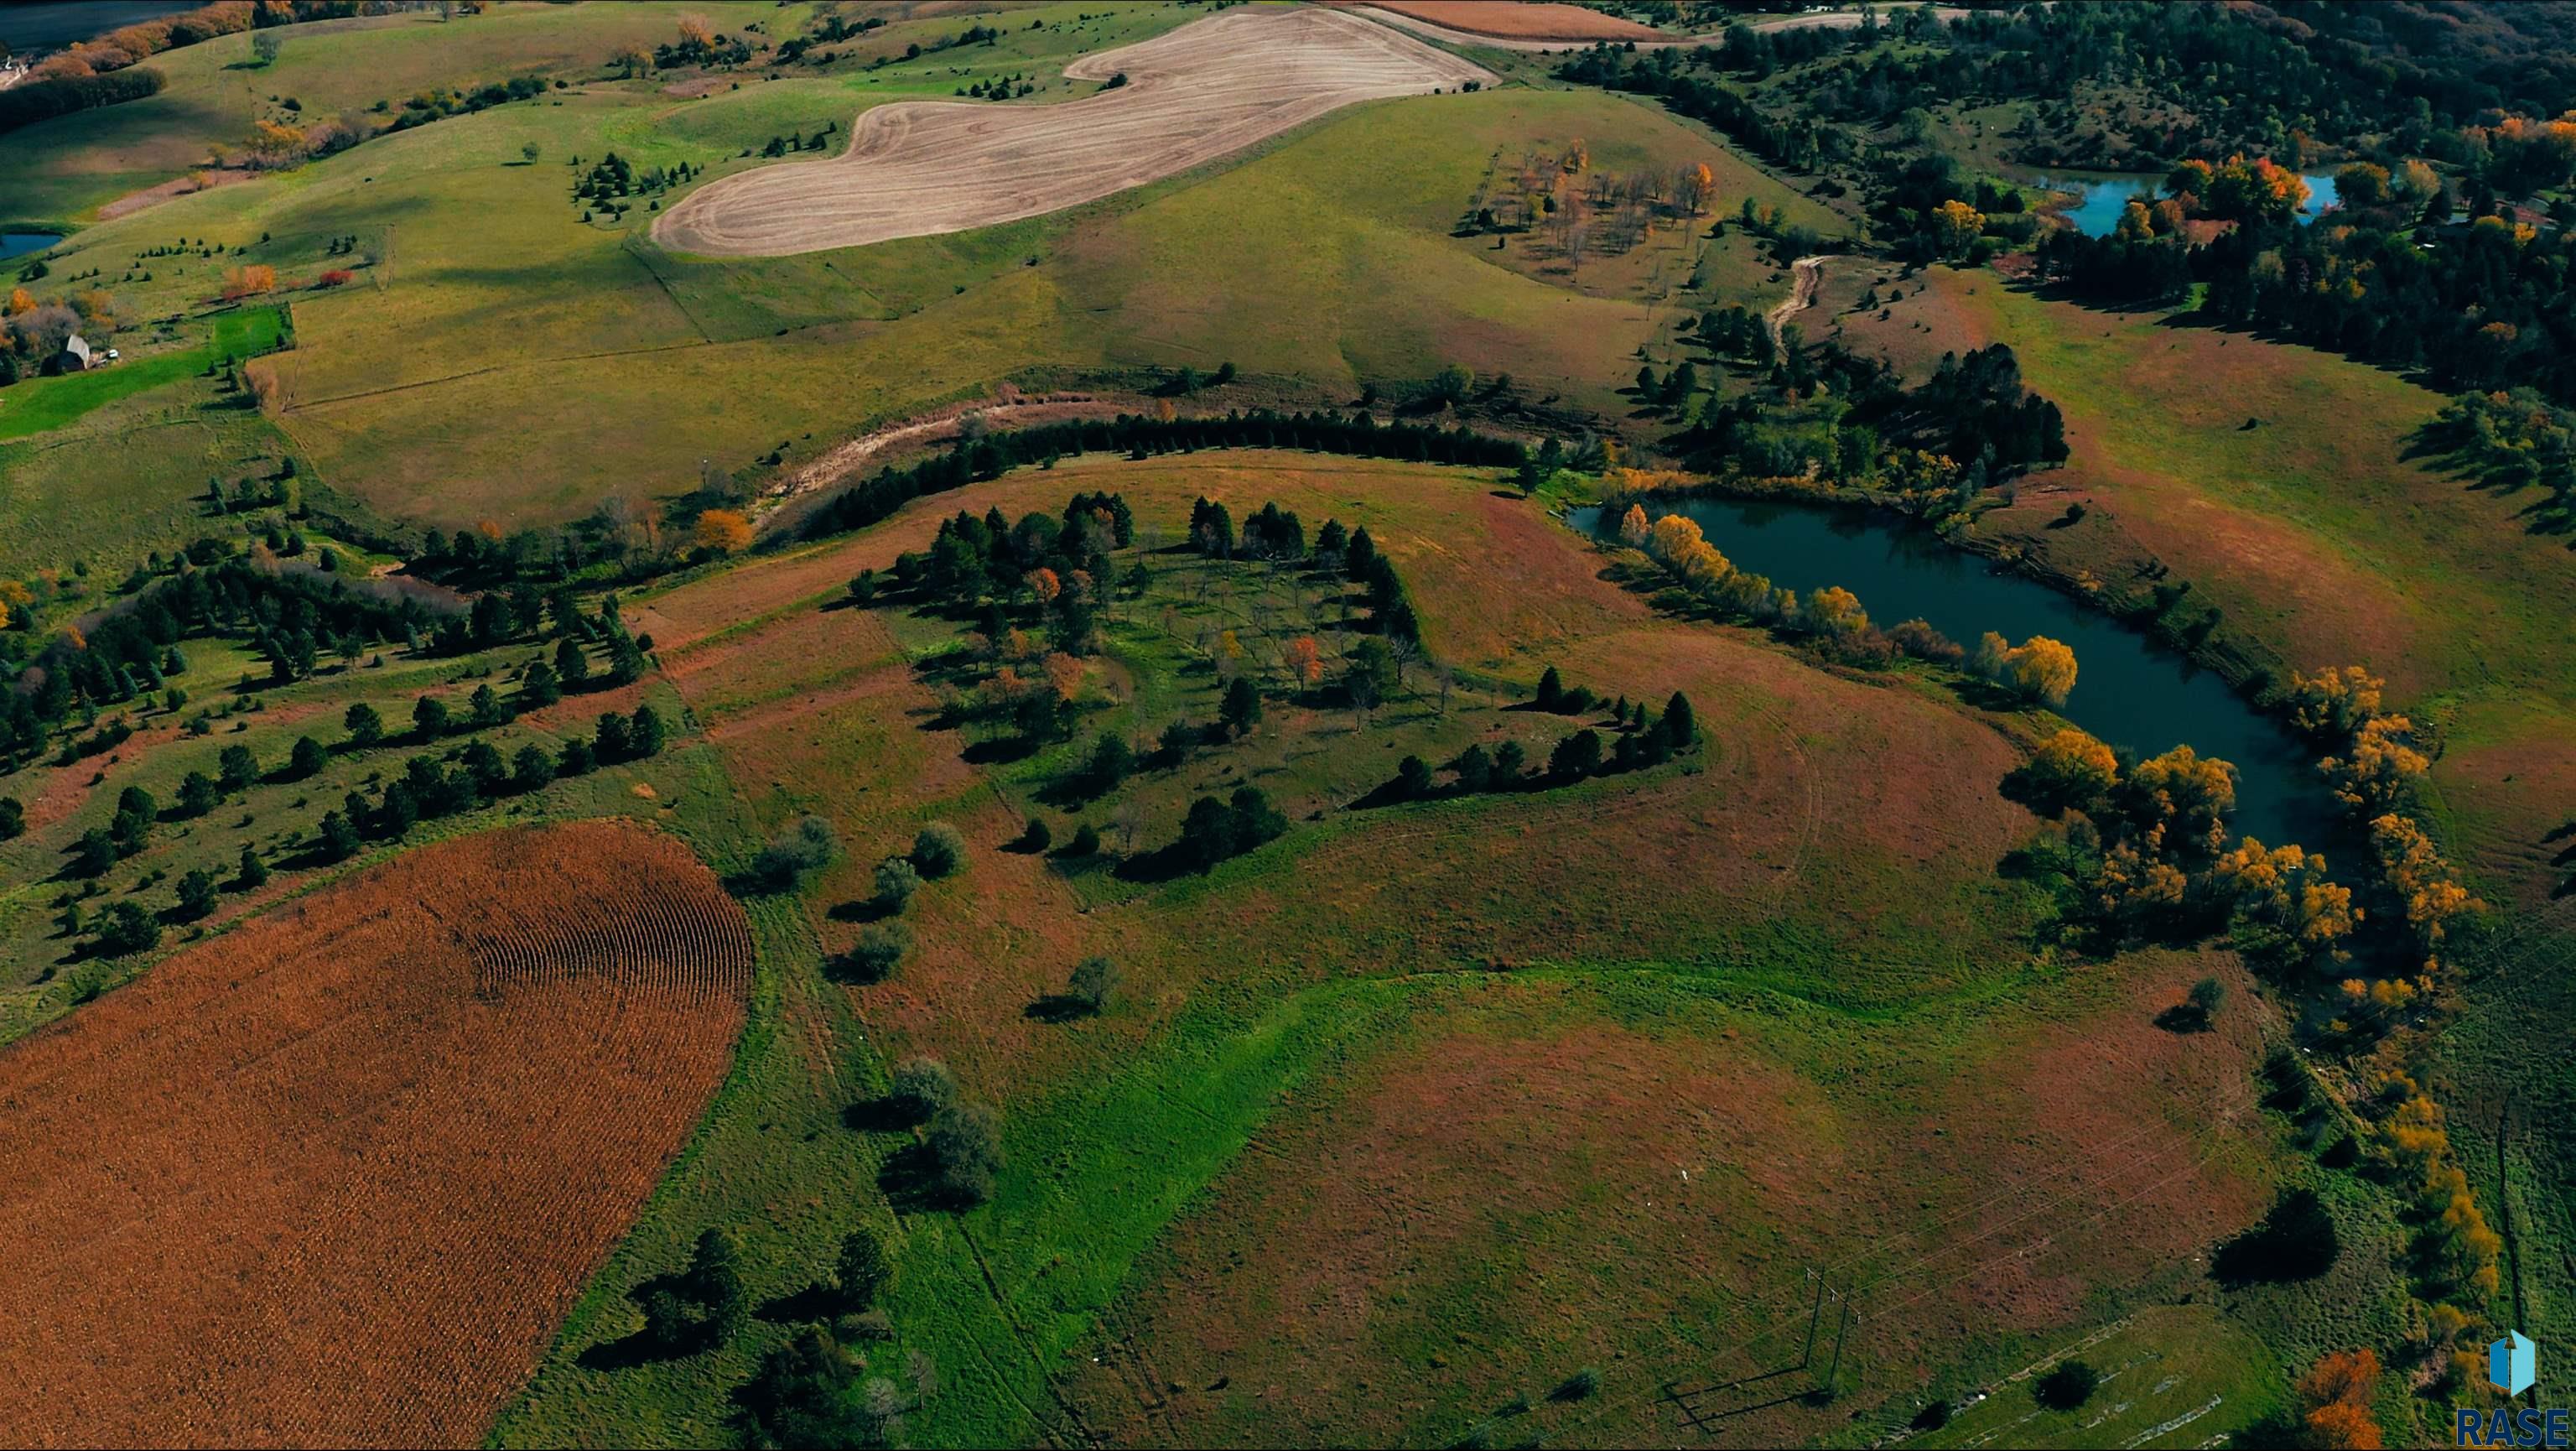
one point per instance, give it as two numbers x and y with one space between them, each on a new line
13 244
2129 691
2100 197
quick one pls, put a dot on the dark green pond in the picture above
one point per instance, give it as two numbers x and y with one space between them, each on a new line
2129 691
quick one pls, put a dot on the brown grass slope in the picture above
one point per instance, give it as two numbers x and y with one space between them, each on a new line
335 1178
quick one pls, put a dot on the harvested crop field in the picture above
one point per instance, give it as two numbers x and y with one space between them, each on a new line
919 168
1523 22
336 1177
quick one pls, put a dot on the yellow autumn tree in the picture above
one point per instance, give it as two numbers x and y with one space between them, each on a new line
1955 224
2334 702
2427 890
2285 904
2038 668
2182 798
722 530
1633 527
2071 768
1834 611
2380 770
1699 189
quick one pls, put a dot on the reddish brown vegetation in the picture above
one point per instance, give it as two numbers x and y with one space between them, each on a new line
1538 21
335 1178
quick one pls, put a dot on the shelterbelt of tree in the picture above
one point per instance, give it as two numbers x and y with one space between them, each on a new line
1206 90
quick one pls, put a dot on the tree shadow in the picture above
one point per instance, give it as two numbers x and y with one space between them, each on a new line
911 1182
887 1115
2183 1018
1162 864
1058 1008
640 1347
999 751
798 1307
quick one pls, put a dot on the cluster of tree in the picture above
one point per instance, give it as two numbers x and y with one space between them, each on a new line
440 102
989 456
284 612
1000 88
1217 831
1972 424
812 1392
32 101
2486 305
1685 79
1638 741
1832 617
613 177
428 790
2375 771
827 30
699 45
2456 1254
2512 441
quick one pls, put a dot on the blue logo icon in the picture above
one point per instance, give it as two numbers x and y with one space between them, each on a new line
2512 1363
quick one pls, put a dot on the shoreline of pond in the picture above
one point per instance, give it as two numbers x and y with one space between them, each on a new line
2252 684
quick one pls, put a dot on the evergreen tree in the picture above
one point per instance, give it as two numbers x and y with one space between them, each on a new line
1241 709
365 727
196 895
714 1281
254 872
339 838
862 1270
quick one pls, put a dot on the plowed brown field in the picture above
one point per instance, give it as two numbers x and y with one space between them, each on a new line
1208 89
335 1178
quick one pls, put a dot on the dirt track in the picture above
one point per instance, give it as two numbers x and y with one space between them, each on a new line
1805 275
335 1178
917 168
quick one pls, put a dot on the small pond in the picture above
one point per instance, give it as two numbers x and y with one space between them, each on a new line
14 244
2128 690
2100 197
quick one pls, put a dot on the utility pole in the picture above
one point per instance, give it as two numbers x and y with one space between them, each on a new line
1834 1375
1815 1311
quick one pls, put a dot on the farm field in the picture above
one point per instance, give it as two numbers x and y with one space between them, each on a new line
1202 91
409 1088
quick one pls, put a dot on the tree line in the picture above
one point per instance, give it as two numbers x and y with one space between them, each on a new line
990 456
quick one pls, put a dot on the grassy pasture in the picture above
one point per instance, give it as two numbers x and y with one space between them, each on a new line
1127 1134
622 368
218 89
2173 1376
39 405
130 478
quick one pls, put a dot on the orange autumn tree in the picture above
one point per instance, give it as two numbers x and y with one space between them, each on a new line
243 282
1305 662
724 531
2335 1395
